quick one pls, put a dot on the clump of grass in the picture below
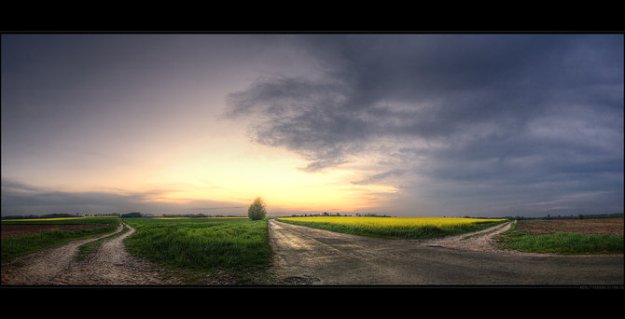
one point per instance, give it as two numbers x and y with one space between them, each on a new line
200 247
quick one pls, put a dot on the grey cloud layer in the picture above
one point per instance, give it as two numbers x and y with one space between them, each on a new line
20 198
495 118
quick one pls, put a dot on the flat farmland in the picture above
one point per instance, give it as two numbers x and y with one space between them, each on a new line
16 230
208 251
566 236
585 226
24 236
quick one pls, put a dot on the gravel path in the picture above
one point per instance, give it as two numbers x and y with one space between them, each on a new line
476 241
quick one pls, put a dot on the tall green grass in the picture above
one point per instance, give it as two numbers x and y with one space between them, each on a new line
236 246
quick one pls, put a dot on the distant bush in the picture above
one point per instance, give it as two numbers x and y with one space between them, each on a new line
257 210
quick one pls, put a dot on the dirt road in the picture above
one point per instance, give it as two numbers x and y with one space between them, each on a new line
109 265
304 255
482 240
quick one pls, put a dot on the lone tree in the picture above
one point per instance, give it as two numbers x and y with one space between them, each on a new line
257 209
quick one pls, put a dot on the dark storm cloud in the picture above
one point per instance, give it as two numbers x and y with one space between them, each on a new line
494 112
20 198
309 117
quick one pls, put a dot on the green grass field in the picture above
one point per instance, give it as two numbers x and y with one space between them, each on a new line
14 247
236 248
396 227
558 242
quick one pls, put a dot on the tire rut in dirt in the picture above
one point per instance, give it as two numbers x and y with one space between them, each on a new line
110 264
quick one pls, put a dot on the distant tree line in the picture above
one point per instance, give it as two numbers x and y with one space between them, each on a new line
41 216
578 216
338 214
318 214
103 214
371 215
132 215
199 215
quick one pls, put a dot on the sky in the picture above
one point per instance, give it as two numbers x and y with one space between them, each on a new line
406 125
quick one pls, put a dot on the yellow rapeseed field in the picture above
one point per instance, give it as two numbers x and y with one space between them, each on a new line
393 222
399 227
